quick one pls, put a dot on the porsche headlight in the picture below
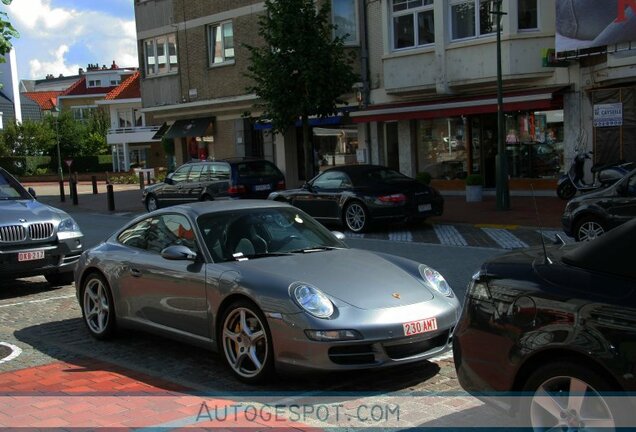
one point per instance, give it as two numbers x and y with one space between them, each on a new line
435 280
312 300
68 225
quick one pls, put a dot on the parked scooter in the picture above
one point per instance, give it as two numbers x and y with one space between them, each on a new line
604 175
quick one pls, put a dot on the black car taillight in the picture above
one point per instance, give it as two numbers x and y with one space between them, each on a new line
395 198
237 189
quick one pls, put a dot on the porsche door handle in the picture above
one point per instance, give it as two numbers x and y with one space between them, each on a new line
135 273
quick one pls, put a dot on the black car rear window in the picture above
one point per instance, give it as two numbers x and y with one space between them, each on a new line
258 169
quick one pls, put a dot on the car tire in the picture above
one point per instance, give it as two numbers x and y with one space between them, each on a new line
152 203
60 279
549 403
246 342
98 308
356 217
566 190
588 228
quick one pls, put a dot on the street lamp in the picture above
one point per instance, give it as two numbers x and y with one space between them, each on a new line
503 193
56 112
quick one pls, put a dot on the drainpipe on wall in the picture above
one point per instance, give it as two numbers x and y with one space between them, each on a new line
364 70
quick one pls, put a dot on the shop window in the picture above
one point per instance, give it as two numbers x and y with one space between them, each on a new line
345 18
527 15
413 23
467 23
441 148
534 144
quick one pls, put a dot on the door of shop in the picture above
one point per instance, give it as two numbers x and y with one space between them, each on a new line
484 134
392 146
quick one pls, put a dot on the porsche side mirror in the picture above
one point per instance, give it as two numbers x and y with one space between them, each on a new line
178 253
307 187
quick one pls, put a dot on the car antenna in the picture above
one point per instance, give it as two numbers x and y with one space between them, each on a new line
536 209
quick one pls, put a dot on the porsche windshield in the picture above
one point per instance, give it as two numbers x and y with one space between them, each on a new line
231 236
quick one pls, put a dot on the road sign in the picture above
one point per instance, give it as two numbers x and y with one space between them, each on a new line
68 162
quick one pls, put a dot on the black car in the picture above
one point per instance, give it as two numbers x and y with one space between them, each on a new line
591 215
358 195
35 239
559 327
206 181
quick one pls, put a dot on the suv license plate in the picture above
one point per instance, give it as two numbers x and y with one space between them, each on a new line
264 187
424 207
30 256
421 326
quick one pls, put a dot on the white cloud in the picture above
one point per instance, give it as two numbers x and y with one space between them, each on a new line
50 35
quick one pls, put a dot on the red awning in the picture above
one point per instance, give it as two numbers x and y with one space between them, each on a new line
530 100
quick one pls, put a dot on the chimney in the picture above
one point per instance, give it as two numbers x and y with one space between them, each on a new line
114 65
80 71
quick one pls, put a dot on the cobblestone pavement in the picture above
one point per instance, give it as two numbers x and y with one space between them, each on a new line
46 325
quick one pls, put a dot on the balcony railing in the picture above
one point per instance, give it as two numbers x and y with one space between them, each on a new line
135 129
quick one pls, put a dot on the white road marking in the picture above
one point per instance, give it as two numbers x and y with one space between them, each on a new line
550 235
15 351
504 238
349 234
448 235
401 235
37 301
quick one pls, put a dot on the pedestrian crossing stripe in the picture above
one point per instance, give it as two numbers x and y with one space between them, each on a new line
402 235
504 238
449 235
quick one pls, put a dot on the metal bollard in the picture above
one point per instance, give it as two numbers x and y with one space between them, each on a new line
94 180
62 194
110 195
141 180
148 178
74 191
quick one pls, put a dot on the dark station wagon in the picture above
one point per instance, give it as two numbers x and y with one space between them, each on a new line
210 180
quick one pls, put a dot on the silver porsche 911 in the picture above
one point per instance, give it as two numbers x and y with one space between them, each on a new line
267 286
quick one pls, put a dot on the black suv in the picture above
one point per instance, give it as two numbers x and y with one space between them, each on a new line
206 181
591 215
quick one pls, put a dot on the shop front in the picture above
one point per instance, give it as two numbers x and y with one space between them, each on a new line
454 139
614 124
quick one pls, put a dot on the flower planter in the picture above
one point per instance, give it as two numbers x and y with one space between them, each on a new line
474 193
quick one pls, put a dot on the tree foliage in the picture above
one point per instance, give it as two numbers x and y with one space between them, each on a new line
29 138
7 32
301 70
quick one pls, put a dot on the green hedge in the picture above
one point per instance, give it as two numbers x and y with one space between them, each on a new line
36 165
25 165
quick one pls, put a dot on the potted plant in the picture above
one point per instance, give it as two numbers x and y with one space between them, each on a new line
474 186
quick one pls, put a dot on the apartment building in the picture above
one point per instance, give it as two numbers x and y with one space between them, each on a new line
193 64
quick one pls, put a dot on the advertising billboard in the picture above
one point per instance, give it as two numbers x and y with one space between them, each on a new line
584 24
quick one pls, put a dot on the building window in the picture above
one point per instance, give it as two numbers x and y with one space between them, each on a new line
131 117
94 83
161 55
527 15
115 82
82 113
221 43
466 23
345 18
413 23
441 147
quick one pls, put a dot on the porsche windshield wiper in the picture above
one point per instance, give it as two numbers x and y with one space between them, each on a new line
315 249
241 257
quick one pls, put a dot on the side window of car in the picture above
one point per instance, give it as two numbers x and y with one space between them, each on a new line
170 230
137 235
195 173
332 180
181 174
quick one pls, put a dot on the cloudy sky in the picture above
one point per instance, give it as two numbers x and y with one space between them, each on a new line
60 36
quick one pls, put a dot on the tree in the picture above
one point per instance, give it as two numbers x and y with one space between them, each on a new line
29 138
7 32
301 69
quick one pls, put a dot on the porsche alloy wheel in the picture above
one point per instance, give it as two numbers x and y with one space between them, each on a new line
246 342
356 217
97 307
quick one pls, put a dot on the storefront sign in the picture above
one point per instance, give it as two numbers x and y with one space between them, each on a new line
582 24
608 115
